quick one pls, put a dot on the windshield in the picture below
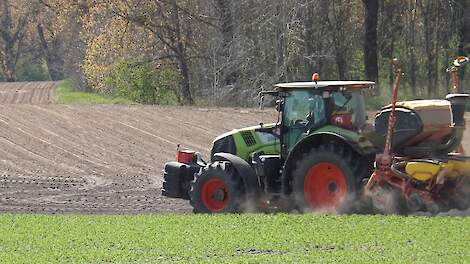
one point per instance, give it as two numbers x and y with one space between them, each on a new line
300 104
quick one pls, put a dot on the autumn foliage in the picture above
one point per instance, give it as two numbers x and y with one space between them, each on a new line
224 52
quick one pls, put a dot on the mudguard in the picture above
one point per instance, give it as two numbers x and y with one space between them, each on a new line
248 175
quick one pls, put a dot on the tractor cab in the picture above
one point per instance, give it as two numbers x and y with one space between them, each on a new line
309 106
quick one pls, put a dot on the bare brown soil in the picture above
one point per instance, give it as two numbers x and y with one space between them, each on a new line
27 93
98 159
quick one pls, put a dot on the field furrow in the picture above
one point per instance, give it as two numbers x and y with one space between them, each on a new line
97 159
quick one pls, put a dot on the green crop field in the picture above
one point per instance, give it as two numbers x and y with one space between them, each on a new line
233 238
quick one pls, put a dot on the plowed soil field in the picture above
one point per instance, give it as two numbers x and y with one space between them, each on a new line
97 159
27 93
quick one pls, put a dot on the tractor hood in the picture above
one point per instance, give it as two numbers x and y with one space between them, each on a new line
246 141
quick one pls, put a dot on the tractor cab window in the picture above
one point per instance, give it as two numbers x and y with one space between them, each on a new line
352 104
303 110
300 107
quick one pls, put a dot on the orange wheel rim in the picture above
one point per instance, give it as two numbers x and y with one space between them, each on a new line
214 195
325 187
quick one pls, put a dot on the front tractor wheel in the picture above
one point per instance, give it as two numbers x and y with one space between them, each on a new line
217 189
323 180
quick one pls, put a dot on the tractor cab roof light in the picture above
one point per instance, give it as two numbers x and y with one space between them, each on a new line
316 77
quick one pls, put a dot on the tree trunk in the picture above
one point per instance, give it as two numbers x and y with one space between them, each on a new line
8 63
341 64
430 46
185 90
226 72
314 27
75 55
370 41
338 26
281 39
464 31
309 38
55 71
321 47
411 47
8 39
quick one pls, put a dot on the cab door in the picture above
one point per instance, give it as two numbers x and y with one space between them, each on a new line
302 110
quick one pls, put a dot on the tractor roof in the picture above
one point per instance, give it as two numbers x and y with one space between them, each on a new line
326 85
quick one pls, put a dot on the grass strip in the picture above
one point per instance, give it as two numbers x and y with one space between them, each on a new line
64 94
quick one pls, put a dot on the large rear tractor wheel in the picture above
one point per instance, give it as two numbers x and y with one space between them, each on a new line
217 189
324 180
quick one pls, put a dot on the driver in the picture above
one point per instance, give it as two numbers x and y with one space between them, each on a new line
317 109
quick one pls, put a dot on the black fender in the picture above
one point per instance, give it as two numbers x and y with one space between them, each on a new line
305 145
246 172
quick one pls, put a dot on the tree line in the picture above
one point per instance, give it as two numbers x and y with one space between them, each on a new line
226 52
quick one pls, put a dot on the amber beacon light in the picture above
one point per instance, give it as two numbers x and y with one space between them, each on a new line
316 77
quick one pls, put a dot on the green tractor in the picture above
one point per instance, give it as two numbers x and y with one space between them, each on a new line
315 158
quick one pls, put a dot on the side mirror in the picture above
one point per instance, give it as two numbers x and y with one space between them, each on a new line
262 94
